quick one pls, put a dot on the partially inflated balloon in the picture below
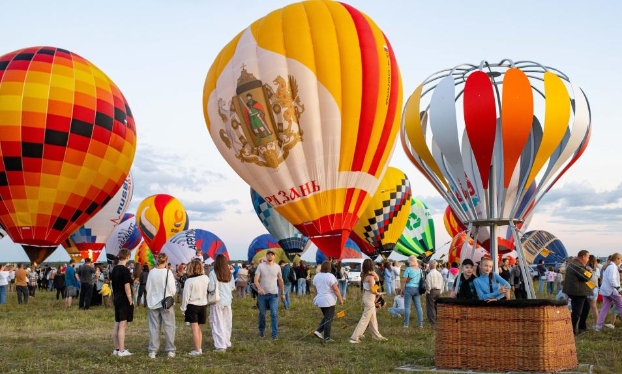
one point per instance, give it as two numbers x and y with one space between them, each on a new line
304 106
290 239
125 236
261 242
183 247
383 221
92 236
72 250
144 256
418 236
457 246
160 217
67 142
351 250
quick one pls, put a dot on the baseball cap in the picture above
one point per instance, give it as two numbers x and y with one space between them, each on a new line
270 251
468 261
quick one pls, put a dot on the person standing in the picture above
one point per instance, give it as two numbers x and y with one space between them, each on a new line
142 285
268 280
433 287
194 303
389 279
327 295
71 283
287 284
541 276
21 284
85 275
4 282
397 271
369 278
413 275
241 282
123 303
518 283
59 283
220 316
342 279
161 283
575 286
610 289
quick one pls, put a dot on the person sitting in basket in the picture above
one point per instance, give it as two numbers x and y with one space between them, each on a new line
466 287
489 285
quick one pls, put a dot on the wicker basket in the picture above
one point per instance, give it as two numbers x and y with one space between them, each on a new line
510 335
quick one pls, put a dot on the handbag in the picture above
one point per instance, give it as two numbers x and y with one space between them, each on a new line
214 296
168 301
422 283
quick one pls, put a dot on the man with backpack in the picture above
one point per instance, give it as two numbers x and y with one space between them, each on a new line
289 277
518 283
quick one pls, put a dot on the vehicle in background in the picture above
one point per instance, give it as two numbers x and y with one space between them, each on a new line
353 269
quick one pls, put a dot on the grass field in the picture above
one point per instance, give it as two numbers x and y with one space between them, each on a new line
44 337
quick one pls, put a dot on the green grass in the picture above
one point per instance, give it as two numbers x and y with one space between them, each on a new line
44 337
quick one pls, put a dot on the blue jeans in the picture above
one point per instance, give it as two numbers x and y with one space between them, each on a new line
389 284
342 284
3 294
287 288
541 285
302 286
551 286
395 312
269 300
411 294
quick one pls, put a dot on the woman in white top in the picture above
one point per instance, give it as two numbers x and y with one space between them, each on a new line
593 298
610 289
159 278
220 316
241 283
194 302
369 279
327 295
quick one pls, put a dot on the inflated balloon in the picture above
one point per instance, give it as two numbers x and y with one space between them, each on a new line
383 221
264 241
364 246
453 225
160 217
304 106
92 236
72 250
351 250
279 254
290 238
144 256
418 238
458 252
188 244
67 142
125 236
537 243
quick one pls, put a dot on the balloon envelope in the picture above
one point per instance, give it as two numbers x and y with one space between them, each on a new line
160 217
144 256
263 241
72 250
539 242
125 236
279 254
318 68
418 236
456 253
186 245
351 250
67 138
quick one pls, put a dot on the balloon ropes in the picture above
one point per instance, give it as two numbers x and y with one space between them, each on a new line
484 134
321 69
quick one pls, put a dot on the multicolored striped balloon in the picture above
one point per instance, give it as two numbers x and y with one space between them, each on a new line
260 243
304 106
418 237
188 244
351 250
144 256
67 142
159 218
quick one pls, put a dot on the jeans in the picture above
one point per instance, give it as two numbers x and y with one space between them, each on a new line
551 286
50 285
329 314
580 308
411 294
389 285
541 285
142 295
22 292
302 286
287 288
269 300
3 294
342 284
396 312
86 291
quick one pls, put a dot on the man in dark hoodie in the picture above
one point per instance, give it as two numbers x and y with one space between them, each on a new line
575 286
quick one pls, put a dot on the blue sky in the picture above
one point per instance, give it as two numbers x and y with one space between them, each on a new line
159 52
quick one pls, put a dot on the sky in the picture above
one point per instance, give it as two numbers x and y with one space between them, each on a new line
159 52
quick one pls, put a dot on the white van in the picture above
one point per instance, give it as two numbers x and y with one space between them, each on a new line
353 268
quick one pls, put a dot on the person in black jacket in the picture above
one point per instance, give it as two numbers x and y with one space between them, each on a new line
466 288
59 283
575 286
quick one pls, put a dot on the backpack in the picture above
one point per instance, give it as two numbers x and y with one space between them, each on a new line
340 273
292 275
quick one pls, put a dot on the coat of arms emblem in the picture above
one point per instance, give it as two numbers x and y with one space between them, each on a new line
262 122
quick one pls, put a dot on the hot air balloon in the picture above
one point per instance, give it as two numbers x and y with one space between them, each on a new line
125 236
92 236
458 251
261 242
279 254
418 237
67 141
144 256
72 250
383 221
188 244
304 106
365 246
496 128
160 217
351 250
289 238
538 243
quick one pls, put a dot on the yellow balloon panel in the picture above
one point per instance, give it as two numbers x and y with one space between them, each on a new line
159 217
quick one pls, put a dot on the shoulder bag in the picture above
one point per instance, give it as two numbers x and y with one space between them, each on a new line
168 301
422 283
214 296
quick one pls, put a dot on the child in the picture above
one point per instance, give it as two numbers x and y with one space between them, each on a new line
106 292
466 287
397 310
550 280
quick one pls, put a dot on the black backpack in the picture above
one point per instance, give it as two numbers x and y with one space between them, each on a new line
292 275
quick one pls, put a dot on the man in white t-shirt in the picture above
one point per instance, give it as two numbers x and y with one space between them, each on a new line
268 281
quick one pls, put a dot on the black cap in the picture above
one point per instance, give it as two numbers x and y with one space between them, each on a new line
468 261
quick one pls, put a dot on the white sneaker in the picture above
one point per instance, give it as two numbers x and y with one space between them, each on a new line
196 353
609 326
319 334
124 353
115 352
597 328
171 354
152 355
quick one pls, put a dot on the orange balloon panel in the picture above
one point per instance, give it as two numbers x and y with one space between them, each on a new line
67 141
159 217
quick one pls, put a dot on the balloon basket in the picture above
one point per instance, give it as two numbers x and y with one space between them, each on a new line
508 335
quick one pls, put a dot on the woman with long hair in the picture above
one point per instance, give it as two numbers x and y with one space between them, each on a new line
220 317
159 278
593 298
327 295
370 291
489 285
194 303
